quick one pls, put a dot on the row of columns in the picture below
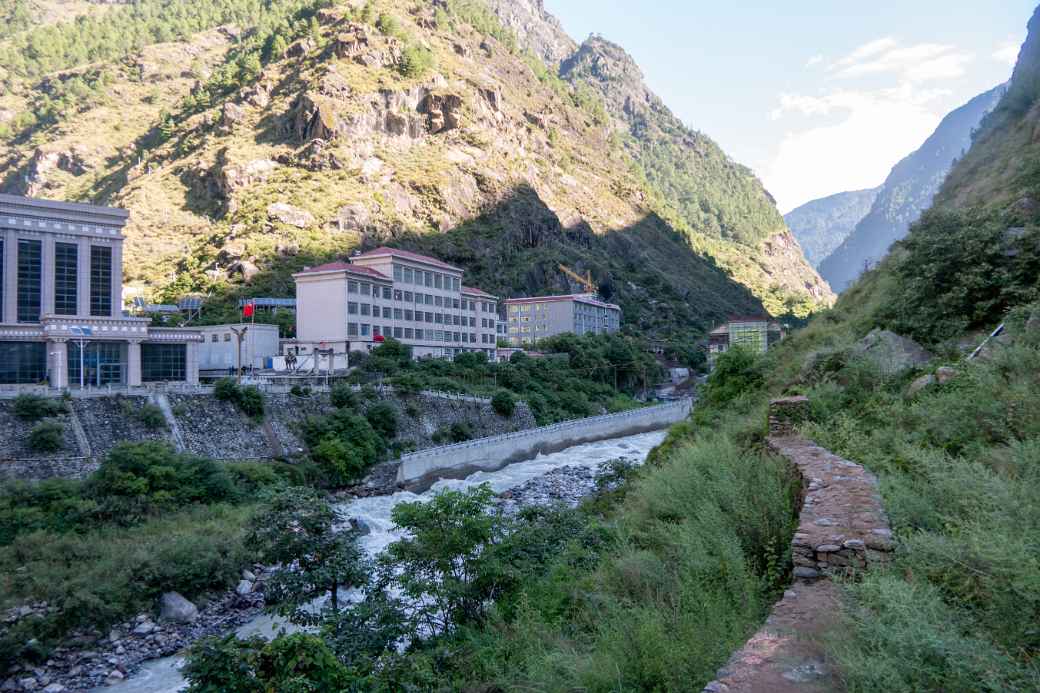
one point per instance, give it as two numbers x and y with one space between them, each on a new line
58 363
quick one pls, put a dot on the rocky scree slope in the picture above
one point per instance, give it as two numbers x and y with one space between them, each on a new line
365 124
821 225
907 192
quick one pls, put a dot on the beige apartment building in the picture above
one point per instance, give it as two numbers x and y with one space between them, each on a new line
415 299
532 319
61 312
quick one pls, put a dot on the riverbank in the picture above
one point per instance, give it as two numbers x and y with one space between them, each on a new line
565 476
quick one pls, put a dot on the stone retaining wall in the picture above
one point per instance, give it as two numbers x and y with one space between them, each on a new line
842 530
216 429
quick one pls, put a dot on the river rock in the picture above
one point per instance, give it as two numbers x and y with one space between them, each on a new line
248 575
244 587
174 607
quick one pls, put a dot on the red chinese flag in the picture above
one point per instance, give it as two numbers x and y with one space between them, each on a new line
247 310
380 338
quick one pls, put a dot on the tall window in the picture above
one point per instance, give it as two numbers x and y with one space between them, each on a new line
30 273
65 268
104 363
1 280
100 280
23 363
164 362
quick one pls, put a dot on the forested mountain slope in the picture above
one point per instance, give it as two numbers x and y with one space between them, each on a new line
907 192
379 122
821 225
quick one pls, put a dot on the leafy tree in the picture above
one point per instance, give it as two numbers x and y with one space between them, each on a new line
343 395
438 567
295 663
383 418
737 372
415 62
294 528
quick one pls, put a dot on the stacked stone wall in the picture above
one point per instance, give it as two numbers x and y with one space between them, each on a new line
214 428
842 531
108 421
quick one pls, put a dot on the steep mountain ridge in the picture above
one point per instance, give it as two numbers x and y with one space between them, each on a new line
822 225
719 203
907 191
247 152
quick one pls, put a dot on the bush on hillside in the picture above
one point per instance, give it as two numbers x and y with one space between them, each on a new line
503 403
46 437
226 390
383 418
34 407
251 401
343 395
343 445
137 479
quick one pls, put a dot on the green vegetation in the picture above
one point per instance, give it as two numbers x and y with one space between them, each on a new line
248 399
122 31
148 521
343 445
47 436
577 379
34 407
649 593
503 403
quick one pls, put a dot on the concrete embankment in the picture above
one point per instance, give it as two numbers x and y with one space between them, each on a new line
420 469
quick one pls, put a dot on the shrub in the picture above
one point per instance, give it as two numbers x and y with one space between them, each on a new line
383 418
407 384
460 432
151 416
137 479
503 403
35 407
343 445
251 401
343 395
226 390
47 436
415 62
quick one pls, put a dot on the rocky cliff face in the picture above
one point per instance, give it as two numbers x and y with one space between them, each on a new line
388 122
535 29
907 192
821 225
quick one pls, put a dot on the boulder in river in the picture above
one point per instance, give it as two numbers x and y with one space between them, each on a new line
174 607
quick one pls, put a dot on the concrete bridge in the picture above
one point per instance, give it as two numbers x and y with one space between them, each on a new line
419 470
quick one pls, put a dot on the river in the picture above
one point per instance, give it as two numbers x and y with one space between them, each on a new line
163 675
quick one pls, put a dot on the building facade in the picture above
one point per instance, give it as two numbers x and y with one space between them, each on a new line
756 333
417 300
532 319
61 313
218 350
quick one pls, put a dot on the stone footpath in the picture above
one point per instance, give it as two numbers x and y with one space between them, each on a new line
91 659
842 530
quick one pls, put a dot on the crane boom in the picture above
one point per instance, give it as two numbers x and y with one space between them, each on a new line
585 281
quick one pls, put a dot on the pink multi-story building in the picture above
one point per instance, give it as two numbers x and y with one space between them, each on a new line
415 299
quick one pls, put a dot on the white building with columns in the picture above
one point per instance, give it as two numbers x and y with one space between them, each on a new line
61 313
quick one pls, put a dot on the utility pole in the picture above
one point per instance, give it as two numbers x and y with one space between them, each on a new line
239 336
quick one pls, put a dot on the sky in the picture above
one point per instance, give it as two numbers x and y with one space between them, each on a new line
816 97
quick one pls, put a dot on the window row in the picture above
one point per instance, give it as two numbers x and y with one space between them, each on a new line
366 330
433 280
388 313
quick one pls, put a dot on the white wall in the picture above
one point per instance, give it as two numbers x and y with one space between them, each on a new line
261 341
488 454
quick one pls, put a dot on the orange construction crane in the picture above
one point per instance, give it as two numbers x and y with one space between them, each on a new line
585 281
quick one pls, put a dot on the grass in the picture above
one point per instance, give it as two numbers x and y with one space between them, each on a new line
959 471
693 556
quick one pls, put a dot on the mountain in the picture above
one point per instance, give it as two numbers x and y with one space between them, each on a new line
907 192
249 141
821 225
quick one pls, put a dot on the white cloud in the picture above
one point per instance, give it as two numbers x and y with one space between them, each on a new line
879 103
1007 52
868 132
815 60
920 62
